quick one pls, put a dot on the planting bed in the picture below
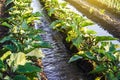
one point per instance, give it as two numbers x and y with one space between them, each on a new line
20 43
96 52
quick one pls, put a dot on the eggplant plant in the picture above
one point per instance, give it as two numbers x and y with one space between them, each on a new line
103 54
22 43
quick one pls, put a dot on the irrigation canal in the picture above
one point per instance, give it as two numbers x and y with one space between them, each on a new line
55 63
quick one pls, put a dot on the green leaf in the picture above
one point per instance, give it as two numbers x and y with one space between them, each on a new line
8 2
56 24
51 11
37 38
27 68
105 38
64 4
37 14
36 53
118 75
98 69
17 45
112 47
36 31
110 56
24 25
77 41
6 38
16 59
5 55
1 64
111 76
10 47
7 25
86 23
91 32
89 55
20 77
41 44
74 58
7 78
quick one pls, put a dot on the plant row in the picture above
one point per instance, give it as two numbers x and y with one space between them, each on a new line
20 47
111 3
98 50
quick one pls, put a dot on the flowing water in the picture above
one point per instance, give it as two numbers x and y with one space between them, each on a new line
55 63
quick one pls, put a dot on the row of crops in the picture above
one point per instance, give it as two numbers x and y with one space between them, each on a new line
98 50
111 3
20 47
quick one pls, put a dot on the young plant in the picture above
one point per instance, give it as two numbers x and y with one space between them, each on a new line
103 55
22 43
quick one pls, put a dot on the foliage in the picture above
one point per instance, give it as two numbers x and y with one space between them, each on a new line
112 4
97 49
21 44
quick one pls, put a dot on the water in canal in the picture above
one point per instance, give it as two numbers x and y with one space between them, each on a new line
55 63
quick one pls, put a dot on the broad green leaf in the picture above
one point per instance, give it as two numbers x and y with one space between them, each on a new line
6 38
75 58
64 4
8 2
105 38
86 23
7 25
89 55
10 47
77 41
112 47
20 58
37 38
51 11
56 24
1 64
111 76
5 55
41 44
27 68
36 53
110 56
36 31
20 77
98 78
24 25
17 45
98 69
7 78
37 14
90 32
16 59
118 75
